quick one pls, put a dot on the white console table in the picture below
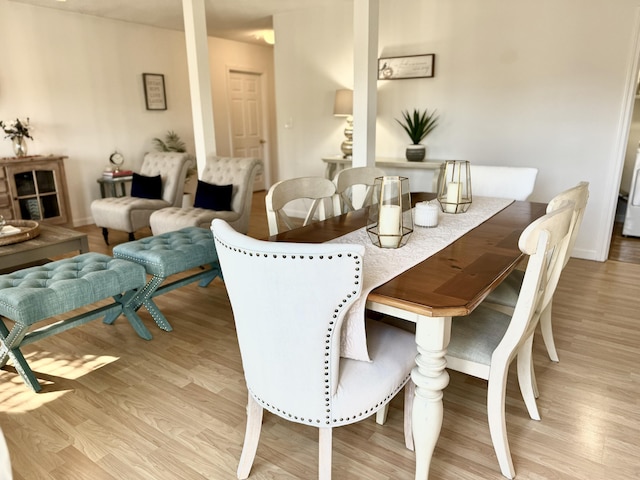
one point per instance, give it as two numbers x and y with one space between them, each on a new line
423 176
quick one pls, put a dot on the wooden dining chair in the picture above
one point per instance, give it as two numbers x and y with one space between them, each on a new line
318 190
505 296
484 343
503 181
289 301
345 181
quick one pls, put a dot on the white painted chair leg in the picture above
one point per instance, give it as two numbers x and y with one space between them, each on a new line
534 382
409 394
547 333
381 415
251 438
496 393
324 454
525 379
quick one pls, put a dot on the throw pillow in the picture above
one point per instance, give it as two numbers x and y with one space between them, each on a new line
146 187
213 197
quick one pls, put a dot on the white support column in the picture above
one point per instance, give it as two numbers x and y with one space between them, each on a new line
365 78
195 31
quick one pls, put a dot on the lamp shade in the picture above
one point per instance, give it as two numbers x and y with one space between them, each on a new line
343 105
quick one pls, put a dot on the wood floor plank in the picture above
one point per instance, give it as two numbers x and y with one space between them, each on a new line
115 406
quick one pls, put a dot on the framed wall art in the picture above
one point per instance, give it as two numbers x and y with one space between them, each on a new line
410 66
154 93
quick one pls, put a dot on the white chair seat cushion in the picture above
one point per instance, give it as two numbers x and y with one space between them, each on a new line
508 291
175 218
474 337
393 353
123 213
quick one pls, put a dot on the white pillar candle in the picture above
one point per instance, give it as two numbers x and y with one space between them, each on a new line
389 227
426 214
453 192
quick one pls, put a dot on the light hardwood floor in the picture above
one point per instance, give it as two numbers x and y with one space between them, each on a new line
117 407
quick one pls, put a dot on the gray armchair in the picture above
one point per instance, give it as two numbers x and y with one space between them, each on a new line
219 171
129 213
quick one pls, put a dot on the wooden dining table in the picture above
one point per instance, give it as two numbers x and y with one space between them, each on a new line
451 283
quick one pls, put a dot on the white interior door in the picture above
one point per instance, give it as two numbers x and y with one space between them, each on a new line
247 129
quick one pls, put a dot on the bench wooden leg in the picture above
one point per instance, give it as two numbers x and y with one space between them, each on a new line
129 310
153 288
9 348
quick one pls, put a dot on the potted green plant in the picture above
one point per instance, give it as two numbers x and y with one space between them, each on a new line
417 125
173 143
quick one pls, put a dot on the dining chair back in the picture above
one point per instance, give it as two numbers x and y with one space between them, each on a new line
503 182
484 343
289 301
506 294
318 190
345 181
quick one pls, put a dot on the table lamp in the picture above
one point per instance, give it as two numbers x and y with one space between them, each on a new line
454 193
343 107
390 222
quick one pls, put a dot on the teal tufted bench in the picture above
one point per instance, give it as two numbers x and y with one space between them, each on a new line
31 295
165 255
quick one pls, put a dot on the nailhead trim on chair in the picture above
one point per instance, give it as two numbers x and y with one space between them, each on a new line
327 419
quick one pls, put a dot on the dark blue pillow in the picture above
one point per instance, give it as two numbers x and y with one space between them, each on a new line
213 197
146 187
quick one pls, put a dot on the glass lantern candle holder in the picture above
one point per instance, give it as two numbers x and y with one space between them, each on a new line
454 192
390 222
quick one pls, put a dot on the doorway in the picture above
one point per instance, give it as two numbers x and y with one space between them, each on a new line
246 110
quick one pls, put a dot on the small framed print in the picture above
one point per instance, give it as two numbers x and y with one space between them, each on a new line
154 93
410 66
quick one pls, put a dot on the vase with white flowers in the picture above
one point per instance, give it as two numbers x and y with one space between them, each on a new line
17 131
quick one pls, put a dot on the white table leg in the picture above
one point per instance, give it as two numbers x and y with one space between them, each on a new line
430 377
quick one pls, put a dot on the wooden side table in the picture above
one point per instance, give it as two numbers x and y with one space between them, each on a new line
113 187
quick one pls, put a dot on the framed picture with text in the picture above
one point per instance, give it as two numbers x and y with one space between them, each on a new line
154 93
410 66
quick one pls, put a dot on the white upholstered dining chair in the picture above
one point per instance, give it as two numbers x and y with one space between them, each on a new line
484 343
505 296
318 190
345 181
503 182
289 301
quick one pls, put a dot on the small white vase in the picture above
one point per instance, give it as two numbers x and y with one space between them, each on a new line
19 146
416 153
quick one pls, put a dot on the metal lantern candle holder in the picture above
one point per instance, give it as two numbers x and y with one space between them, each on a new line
390 223
454 192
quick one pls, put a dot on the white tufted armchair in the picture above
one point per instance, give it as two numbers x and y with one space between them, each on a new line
129 214
289 301
239 172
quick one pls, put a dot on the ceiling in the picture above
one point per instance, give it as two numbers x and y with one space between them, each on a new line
240 20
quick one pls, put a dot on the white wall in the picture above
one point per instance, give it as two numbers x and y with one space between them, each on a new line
539 84
79 79
225 56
